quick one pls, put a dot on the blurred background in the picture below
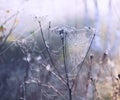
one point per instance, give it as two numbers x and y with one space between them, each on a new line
103 15
100 16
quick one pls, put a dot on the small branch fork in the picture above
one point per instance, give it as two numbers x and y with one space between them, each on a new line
65 66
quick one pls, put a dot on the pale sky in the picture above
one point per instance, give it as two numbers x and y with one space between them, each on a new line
59 11
53 10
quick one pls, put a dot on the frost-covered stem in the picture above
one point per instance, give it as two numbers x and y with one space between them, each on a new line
48 51
46 45
25 79
25 85
59 78
65 65
26 75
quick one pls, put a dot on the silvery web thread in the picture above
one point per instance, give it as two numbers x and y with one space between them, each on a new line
49 70
81 46
70 31
46 68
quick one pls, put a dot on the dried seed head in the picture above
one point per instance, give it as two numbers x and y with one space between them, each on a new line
119 76
116 79
105 54
49 25
91 79
91 56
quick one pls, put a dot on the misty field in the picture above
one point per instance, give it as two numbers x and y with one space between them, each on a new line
59 50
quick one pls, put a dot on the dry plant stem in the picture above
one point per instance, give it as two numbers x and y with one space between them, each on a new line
25 84
48 51
89 76
65 66
10 32
57 91
53 88
95 92
25 77
116 88
10 18
49 29
50 86
81 64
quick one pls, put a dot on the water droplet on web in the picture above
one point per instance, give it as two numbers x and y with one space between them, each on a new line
48 68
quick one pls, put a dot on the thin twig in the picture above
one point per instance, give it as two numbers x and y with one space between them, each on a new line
49 27
49 85
10 18
65 66
81 64
52 62
26 75
10 32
